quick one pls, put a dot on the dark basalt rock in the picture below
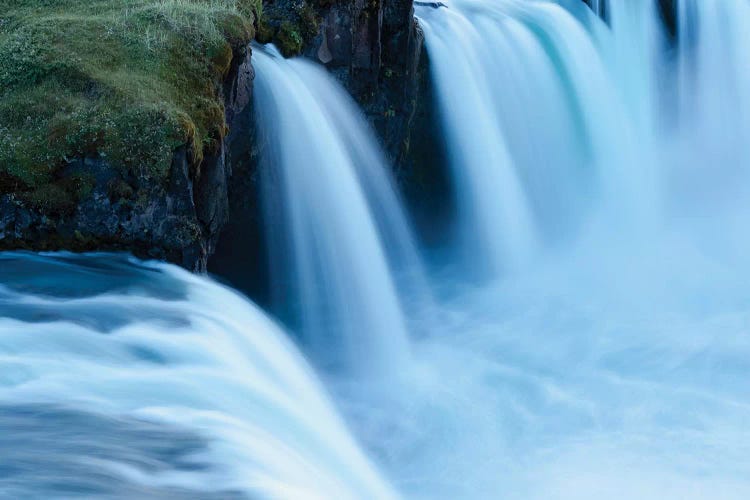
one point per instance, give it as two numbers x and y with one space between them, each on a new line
374 50
425 176
371 46
239 256
178 220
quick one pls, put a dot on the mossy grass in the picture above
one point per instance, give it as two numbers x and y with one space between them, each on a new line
128 80
289 25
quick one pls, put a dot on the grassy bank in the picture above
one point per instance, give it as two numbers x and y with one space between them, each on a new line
129 80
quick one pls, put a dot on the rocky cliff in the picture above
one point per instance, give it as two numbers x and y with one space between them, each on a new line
373 47
130 127
119 124
178 220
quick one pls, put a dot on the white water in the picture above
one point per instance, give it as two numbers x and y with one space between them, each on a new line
127 346
608 356
713 78
494 213
613 363
335 219
536 134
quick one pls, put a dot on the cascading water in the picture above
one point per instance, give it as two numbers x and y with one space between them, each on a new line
613 363
534 129
602 172
494 211
133 380
336 220
713 124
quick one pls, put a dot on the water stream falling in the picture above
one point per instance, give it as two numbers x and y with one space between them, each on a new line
534 130
601 168
336 222
713 125
614 362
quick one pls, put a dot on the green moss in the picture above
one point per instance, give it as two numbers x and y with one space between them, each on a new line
117 189
79 185
220 55
289 39
50 198
129 80
265 32
289 25
308 21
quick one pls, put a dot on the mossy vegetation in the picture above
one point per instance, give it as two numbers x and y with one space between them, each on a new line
289 39
126 80
289 25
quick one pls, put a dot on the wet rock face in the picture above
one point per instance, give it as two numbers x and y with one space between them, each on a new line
426 176
371 46
118 213
178 220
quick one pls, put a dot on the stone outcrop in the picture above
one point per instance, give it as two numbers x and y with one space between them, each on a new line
373 48
91 204
178 220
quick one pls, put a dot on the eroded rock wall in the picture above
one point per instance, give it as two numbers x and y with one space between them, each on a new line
178 220
373 48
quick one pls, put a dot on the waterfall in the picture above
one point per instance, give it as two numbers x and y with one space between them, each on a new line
593 344
129 379
535 128
637 41
494 211
598 7
341 240
608 359
713 78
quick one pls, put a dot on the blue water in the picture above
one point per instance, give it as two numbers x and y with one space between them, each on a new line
129 379
586 335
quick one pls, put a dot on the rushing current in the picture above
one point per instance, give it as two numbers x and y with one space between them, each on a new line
587 334
139 380
340 240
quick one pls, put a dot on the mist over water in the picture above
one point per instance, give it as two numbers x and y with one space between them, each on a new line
614 362
586 337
